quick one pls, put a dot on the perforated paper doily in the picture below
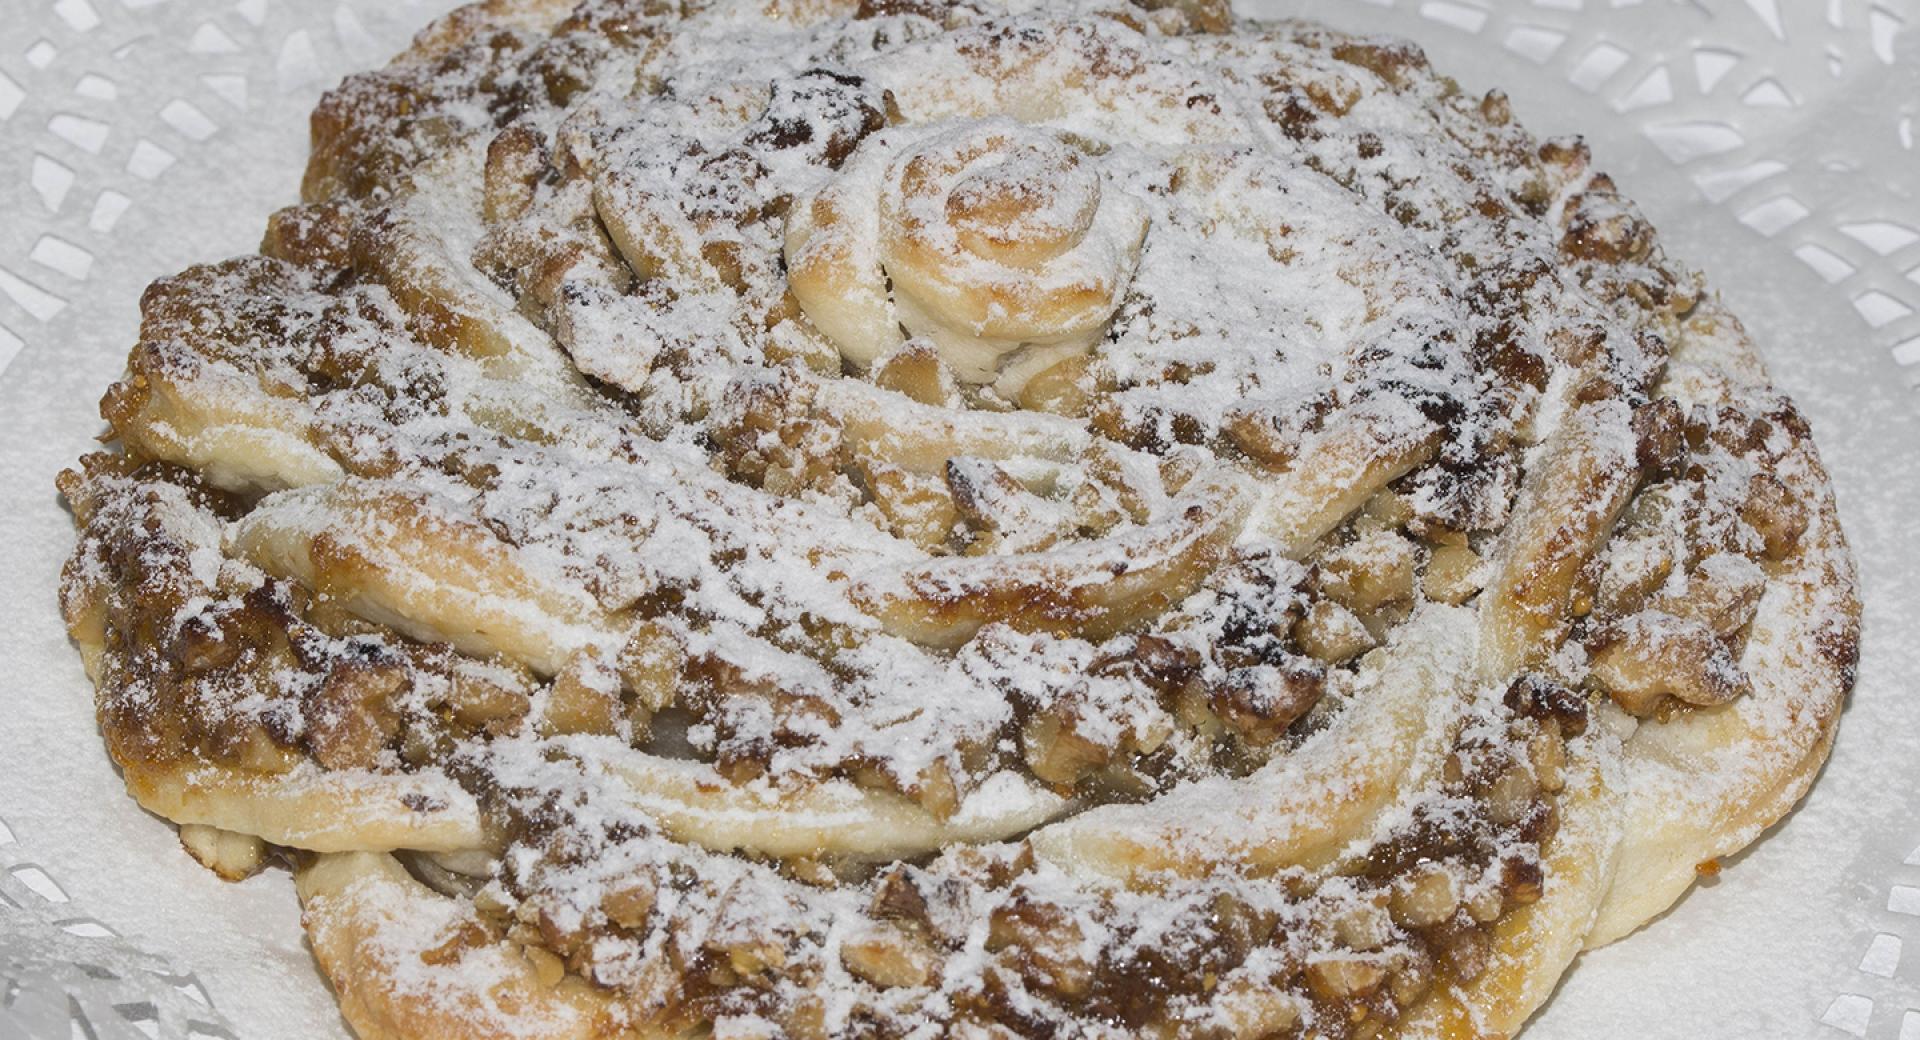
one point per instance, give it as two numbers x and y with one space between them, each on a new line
1773 142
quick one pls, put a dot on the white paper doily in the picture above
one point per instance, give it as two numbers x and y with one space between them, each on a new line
1775 142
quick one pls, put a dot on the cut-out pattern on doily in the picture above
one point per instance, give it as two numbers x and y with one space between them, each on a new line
85 141
88 136
1732 91
64 973
1729 91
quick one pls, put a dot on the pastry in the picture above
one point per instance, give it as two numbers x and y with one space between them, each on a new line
901 518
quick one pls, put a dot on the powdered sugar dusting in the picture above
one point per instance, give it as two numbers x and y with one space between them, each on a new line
954 519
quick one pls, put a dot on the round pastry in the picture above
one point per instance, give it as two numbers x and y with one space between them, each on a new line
899 518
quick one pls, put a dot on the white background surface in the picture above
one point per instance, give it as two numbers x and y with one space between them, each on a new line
1770 140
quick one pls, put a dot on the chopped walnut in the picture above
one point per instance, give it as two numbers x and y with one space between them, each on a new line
1396 61
898 900
936 789
1260 703
1345 976
1510 797
1063 389
1256 1008
1426 897
492 697
548 969
317 237
1776 514
1534 696
749 952
752 716
1373 571
841 111
1386 511
1365 924
630 905
1331 634
918 371
1523 879
1485 904
461 938
768 436
1636 564
1659 428
1206 16
1496 108
1603 227
650 666
1643 659
584 698
1056 753
1452 574
1547 753
354 713
1045 941
889 956
1723 592
918 508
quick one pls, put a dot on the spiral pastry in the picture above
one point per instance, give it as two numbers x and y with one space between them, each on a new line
1000 243
820 518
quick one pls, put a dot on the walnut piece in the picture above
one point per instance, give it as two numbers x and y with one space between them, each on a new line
1652 655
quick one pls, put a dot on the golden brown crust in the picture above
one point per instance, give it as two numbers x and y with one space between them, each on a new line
310 809
1703 785
489 993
